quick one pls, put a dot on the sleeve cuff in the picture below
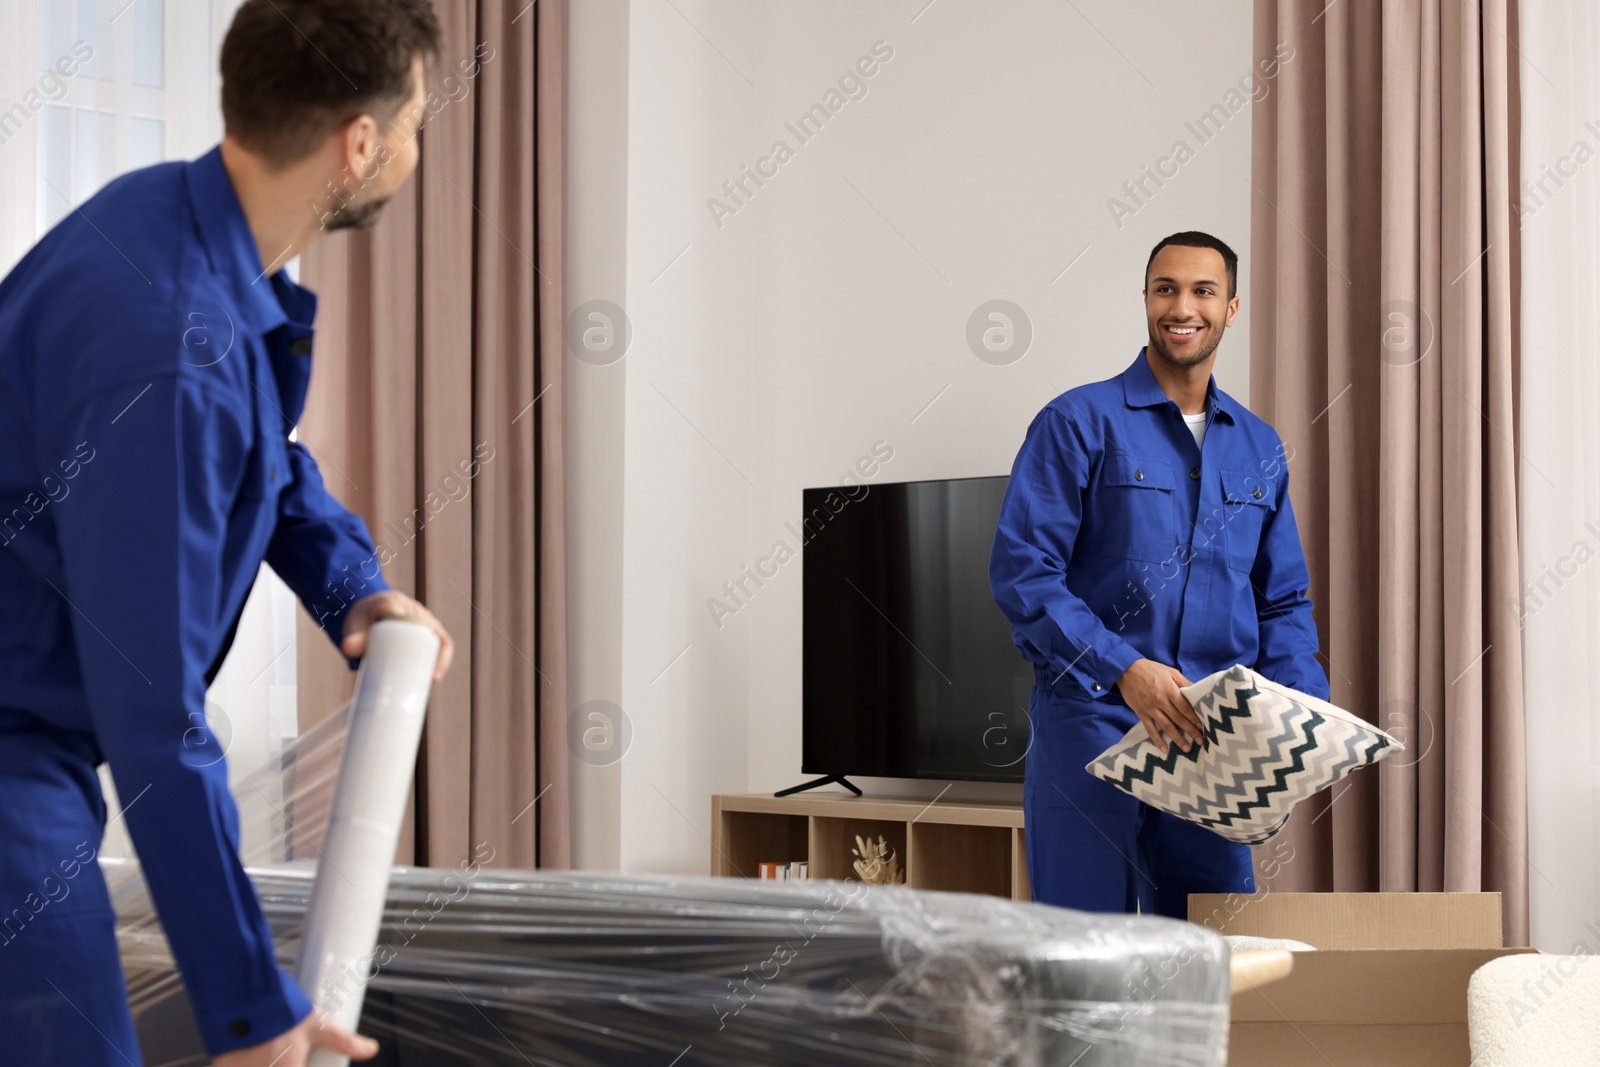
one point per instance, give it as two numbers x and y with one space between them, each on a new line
238 1026
331 622
1097 670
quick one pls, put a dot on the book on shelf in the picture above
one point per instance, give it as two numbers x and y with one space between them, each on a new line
795 870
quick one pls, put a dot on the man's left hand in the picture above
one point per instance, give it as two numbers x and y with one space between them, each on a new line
390 604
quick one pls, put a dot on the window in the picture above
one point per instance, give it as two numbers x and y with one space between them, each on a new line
92 88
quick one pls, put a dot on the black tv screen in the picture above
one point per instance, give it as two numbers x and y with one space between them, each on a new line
908 666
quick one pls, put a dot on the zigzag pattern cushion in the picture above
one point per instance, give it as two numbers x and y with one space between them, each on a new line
1269 748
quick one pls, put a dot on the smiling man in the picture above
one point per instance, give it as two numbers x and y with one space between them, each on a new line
1146 539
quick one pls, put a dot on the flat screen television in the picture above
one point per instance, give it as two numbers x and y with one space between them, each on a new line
908 666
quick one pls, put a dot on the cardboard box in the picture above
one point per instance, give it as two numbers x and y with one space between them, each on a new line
1401 1006
1357 920
1388 985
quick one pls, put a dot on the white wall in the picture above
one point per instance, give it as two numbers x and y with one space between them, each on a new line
828 311
1559 494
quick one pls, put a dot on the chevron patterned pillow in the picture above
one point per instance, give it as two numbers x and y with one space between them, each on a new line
1269 748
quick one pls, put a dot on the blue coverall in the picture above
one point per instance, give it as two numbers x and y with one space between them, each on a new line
1119 539
150 374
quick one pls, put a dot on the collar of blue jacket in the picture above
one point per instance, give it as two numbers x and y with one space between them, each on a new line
1142 390
265 302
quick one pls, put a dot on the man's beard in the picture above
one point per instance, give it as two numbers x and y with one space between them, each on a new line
364 217
1159 342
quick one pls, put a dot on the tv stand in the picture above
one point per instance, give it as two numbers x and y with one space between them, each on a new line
815 782
955 845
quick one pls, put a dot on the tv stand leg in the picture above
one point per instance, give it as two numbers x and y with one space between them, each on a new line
814 783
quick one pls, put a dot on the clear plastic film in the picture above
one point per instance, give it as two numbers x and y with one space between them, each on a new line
490 967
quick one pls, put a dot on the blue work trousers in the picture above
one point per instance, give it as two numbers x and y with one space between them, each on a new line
1092 847
62 997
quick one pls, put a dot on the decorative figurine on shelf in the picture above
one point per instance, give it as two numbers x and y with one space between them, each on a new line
878 864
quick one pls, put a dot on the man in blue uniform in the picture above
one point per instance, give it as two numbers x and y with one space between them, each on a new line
154 358
1146 540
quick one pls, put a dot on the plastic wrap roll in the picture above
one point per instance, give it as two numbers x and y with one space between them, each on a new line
369 799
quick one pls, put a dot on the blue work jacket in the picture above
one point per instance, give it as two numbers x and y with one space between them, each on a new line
1120 539
150 374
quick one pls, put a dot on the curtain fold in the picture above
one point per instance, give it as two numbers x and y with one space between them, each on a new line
1385 350
436 413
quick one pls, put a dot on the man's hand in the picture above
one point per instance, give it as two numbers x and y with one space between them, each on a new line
1151 690
292 1049
392 605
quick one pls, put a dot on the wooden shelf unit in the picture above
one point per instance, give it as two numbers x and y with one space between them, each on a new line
953 845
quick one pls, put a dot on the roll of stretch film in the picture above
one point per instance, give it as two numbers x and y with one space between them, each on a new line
352 879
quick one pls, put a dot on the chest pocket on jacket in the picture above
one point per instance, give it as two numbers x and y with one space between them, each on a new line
1248 500
1139 517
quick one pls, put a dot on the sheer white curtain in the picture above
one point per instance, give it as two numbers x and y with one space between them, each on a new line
1560 477
90 89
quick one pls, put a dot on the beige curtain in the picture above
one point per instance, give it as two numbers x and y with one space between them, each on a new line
1384 265
436 413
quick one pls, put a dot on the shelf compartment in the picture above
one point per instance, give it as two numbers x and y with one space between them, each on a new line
833 840
749 839
961 859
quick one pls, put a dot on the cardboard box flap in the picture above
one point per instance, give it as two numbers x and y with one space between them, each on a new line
1423 1045
1357 920
1369 987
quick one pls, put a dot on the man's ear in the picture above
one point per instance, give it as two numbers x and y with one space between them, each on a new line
361 143
1233 309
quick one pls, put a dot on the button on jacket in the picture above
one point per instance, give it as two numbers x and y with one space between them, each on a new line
1120 539
150 374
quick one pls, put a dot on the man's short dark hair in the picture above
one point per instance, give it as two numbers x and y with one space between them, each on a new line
294 70
1196 239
